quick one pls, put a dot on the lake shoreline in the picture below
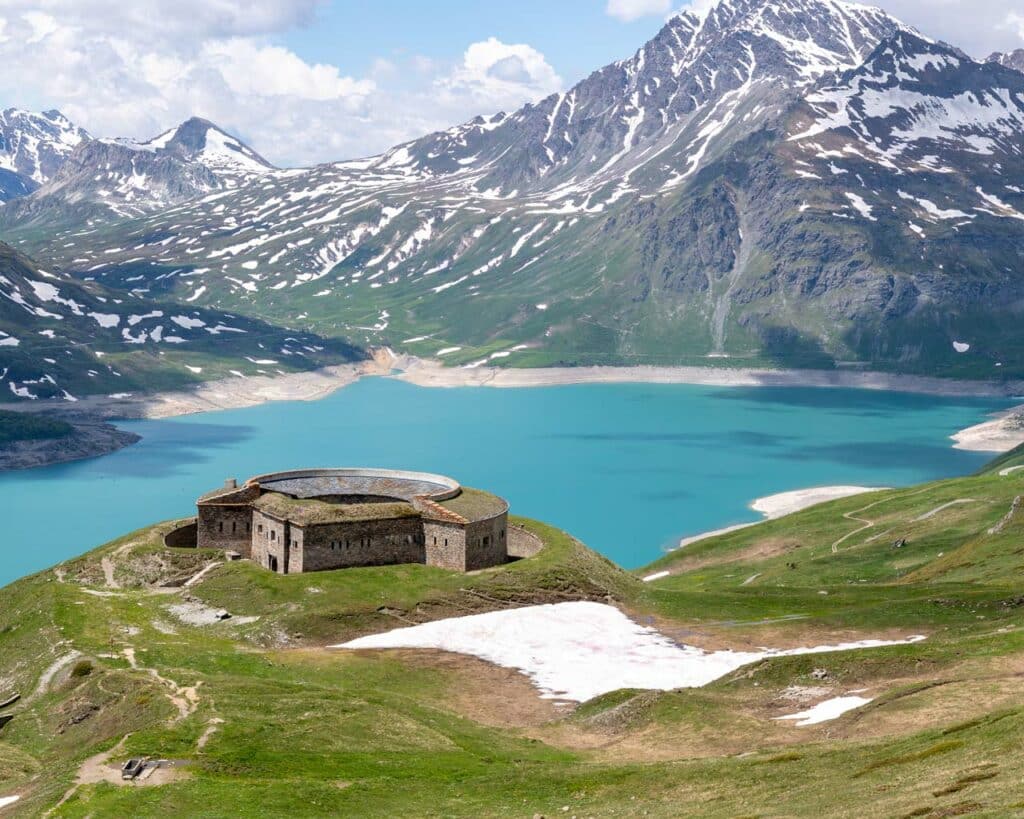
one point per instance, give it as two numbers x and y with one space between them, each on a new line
999 434
772 507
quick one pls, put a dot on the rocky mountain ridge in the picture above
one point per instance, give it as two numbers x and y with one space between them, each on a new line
116 178
32 149
796 182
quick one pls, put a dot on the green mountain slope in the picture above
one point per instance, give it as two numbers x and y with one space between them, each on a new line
263 721
61 337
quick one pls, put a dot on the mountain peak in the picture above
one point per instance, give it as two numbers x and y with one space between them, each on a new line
198 139
33 146
1010 59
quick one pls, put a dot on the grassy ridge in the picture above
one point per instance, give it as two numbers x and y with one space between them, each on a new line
270 723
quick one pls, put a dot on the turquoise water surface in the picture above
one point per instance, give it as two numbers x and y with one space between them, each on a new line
628 468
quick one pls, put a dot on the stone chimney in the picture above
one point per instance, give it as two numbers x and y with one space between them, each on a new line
231 483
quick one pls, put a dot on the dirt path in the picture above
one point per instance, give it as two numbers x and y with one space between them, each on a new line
211 729
51 671
184 698
107 562
933 512
202 573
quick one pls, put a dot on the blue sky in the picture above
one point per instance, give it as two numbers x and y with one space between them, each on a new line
577 36
307 81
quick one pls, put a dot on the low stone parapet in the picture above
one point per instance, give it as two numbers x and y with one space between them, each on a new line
522 543
182 536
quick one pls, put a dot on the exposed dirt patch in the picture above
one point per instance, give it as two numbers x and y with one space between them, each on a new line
486 693
757 551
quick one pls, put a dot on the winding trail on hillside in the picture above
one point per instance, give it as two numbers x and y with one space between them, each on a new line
867 524
933 512
182 697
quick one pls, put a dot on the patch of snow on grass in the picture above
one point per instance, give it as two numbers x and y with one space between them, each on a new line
106 319
579 650
961 346
862 207
827 710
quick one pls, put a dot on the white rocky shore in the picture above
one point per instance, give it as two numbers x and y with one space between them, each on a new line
431 373
1004 432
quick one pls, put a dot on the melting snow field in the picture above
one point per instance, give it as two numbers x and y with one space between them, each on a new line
8 800
827 710
579 650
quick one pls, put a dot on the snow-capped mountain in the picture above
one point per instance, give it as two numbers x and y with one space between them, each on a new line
1010 59
797 181
32 149
104 177
201 142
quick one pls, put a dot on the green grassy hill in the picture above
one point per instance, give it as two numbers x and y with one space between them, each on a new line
262 720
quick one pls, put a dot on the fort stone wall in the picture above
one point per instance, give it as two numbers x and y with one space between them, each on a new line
225 527
360 543
445 545
270 542
305 534
486 543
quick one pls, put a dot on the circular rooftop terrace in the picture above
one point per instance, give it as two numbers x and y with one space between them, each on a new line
388 483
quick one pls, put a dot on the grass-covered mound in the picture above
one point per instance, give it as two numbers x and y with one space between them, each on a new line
113 657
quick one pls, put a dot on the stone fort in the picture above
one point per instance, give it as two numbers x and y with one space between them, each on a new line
318 519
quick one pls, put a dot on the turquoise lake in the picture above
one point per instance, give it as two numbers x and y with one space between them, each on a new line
627 468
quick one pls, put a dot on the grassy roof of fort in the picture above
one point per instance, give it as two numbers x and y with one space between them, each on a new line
311 511
475 504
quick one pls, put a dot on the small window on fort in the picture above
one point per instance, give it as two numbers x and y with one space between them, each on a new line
446 541
233 525
248 527
273 535
220 526
487 540
259 528
502 534
435 540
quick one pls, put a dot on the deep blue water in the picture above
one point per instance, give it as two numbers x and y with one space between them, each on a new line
628 468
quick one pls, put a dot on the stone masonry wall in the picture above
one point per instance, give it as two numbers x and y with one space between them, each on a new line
225 527
183 536
358 543
445 545
522 543
487 543
269 542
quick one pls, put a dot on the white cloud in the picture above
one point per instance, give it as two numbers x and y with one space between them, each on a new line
254 70
499 75
138 68
629 10
1015 22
